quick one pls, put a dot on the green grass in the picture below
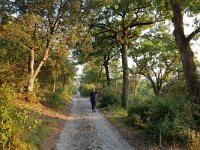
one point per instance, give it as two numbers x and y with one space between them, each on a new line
136 137
39 135
118 117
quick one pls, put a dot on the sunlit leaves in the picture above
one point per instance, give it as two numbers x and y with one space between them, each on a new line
156 57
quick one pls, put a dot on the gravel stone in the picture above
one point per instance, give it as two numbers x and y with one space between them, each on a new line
87 130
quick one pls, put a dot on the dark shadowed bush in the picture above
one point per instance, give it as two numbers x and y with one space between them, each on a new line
138 112
110 96
196 116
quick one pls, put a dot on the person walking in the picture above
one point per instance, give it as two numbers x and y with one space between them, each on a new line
93 94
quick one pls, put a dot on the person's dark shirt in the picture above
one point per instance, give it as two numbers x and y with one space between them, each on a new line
93 96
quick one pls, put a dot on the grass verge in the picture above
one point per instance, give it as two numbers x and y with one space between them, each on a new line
47 124
135 136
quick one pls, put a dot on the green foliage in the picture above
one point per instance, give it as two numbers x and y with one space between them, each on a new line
139 111
144 88
156 57
58 99
175 88
86 88
11 120
171 114
110 96
38 135
11 63
196 115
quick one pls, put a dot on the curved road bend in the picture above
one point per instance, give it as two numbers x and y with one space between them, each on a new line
85 130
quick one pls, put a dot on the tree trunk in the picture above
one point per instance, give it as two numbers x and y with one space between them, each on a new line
135 84
33 73
187 55
30 84
107 75
31 63
154 86
54 86
124 52
107 70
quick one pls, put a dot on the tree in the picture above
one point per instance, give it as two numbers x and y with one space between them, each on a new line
107 51
157 66
58 70
38 26
124 21
104 53
183 43
156 57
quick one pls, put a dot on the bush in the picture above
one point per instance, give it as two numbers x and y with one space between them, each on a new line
196 115
58 99
109 96
11 120
170 114
173 115
138 112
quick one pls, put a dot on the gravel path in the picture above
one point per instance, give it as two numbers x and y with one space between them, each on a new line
85 130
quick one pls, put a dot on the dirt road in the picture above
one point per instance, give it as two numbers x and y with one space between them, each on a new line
86 130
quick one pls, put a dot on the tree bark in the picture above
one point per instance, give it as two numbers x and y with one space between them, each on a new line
54 86
135 81
30 86
106 67
187 55
155 87
33 73
124 52
107 75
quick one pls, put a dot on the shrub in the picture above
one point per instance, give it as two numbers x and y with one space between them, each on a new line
196 115
11 120
171 115
194 139
58 99
109 96
138 112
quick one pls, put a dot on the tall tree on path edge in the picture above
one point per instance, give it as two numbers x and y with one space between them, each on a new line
178 9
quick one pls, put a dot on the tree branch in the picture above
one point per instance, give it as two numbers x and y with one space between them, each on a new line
189 38
142 23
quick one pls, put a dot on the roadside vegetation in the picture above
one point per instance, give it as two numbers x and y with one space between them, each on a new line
167 121
156 97
154 102
35 92
28 125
